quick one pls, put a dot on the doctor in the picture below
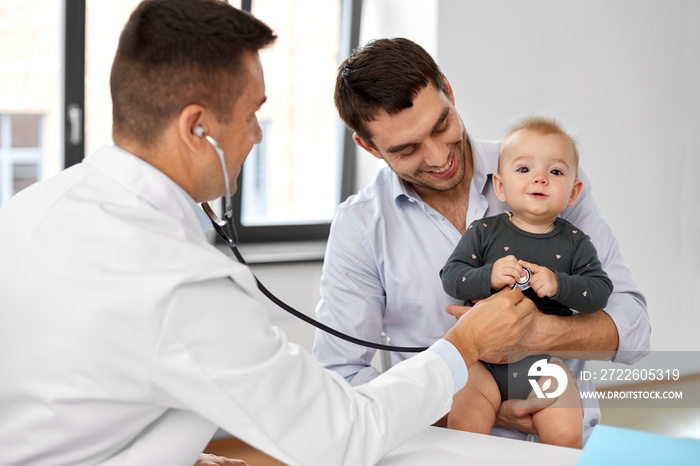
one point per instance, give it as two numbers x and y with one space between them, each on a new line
126 338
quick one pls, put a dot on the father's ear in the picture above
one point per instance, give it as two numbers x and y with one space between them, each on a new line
366 145
448 89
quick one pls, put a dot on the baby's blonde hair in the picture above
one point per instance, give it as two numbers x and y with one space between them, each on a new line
543 125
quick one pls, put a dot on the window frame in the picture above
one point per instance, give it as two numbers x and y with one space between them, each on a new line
351 11
73 99
73 121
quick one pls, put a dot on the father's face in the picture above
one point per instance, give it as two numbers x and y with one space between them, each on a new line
424 143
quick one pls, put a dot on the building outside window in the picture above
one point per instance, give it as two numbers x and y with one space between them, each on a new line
30 111
20 153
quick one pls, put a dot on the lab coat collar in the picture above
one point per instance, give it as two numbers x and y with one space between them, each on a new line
149 183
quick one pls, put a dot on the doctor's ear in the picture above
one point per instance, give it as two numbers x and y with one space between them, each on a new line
191 124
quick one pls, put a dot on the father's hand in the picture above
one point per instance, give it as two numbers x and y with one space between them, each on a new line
213 460
457 310
517 414
492 326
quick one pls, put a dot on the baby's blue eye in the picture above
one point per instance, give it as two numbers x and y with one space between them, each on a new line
556 172
523 170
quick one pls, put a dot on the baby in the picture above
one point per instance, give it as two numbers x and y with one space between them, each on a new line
553 261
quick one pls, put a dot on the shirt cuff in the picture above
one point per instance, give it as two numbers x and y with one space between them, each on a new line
454 360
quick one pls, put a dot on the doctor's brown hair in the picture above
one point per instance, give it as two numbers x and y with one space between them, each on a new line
385 74
173 53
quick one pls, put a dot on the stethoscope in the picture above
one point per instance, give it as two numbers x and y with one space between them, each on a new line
227 231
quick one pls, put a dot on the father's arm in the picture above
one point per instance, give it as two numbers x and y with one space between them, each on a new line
352 300
559 335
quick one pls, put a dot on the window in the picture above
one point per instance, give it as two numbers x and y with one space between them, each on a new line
29 94
292 182
21 153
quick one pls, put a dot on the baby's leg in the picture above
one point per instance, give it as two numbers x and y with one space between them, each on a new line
475 406
561 423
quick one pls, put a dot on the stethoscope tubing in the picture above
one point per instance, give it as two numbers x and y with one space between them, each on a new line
220 226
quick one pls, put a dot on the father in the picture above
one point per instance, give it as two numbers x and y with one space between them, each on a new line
388 242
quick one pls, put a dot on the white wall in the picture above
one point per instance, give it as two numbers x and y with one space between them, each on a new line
624 76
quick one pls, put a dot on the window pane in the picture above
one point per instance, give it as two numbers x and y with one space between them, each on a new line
104 22
25 174
294 175
30 93
25 130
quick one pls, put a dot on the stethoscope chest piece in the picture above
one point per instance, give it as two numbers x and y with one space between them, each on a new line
524 281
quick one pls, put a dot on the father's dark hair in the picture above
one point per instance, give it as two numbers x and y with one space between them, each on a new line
173 53
385 74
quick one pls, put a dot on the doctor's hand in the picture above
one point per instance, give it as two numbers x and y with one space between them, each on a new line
213 460
491 326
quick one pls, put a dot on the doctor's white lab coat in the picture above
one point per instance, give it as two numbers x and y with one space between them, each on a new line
126 338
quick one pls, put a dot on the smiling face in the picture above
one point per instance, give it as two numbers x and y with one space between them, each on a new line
423 144
537 177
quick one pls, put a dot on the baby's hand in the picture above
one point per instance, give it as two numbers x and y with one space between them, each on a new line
542 280
505 272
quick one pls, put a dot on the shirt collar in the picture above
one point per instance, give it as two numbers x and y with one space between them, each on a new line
402 191
484 166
